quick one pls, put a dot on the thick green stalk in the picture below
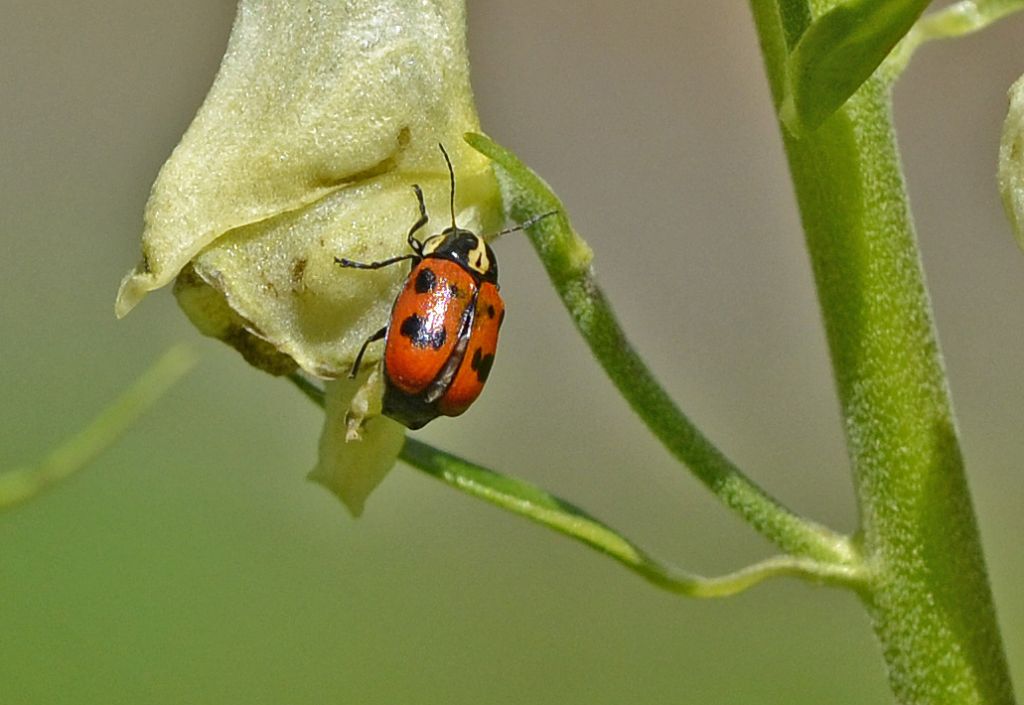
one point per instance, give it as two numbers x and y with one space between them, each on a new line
928 596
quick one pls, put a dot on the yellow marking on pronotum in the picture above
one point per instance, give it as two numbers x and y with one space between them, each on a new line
478 258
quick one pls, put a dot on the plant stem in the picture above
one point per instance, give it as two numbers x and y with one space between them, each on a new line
543 508
567 260
22 484
929 598
536 504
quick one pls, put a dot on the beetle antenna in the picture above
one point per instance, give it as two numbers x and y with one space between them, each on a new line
524 225
451 175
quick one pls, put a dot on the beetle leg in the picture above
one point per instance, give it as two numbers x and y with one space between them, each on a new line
373 265
415 244
359 358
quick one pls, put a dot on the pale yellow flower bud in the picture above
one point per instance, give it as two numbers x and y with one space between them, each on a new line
322 117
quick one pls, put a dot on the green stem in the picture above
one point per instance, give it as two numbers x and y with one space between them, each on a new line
539 506
567 260
929 598
22 484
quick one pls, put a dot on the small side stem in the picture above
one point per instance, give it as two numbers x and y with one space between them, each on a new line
537 505
567 260
22 484
598 325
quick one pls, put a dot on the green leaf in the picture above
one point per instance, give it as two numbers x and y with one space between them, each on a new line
838 53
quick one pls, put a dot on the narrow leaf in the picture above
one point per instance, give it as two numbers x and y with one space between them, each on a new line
838 52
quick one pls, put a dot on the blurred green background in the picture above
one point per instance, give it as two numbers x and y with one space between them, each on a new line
193 564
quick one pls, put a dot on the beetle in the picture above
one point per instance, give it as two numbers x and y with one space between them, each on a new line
440 340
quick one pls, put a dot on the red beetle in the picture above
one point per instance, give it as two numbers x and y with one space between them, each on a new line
443 331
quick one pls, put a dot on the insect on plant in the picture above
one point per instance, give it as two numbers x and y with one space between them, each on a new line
442 336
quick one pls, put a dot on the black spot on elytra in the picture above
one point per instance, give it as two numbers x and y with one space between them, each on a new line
481 364
425 280
454 289
490 310
415 329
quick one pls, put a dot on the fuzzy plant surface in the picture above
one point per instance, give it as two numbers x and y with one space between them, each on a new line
324 115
